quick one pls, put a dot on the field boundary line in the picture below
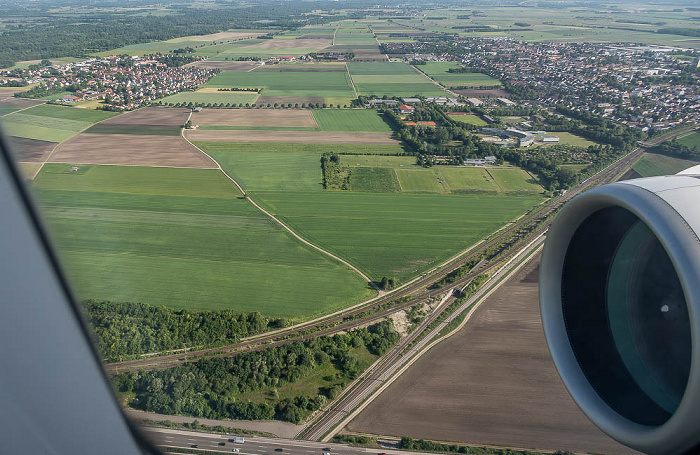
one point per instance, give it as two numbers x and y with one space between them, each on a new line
528 253
435 82
59 143
278 221
347 69
23 109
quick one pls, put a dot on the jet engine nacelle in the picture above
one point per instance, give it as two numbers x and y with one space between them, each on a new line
620 303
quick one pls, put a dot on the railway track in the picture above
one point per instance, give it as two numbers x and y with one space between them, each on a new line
418 291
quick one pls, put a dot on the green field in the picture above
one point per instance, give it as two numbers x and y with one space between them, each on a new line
439 72
7 110
420 180
515 180
206 98
280 166
69 113
351 120
51 123
183 238
377 229
393 234
378 161
471 179
653 164
392 79
469 119
310 84
146 130
691 140
21 129
373 180
380 69
567 139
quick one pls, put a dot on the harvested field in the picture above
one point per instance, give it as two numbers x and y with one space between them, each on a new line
265 100
254 117
146 121
31 150
305 137
492 383
281 43
17 103
301 69
151 116
220 36
316 37
224 65
131 150
489 93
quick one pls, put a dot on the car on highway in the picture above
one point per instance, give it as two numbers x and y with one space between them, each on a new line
222 443
326 449
279 449
236 450
326 453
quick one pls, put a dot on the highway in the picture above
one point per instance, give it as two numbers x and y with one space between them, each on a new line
256 445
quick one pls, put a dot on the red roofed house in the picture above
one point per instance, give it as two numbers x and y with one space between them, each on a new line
403 109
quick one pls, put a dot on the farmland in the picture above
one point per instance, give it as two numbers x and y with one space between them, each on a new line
414 232
309 137
653 164
459 391
439 72
207 97
288 84
392 79
351 120
283 166
469 119
691 140
146 121
183 238
567 139
255 118
131 150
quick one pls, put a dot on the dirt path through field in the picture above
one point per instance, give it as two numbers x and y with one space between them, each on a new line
284 226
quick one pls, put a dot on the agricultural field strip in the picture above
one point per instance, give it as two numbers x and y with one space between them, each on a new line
18 110
435 82
284 226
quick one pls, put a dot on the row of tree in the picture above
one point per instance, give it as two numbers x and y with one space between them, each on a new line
124 330
210 388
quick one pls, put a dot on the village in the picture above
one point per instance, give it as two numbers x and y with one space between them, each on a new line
642 86
121 82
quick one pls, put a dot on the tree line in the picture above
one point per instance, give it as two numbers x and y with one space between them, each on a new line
124 330
211 387
61 36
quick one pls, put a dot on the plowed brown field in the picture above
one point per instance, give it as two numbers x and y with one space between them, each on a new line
306 137
131 150
255 117
492 383
31 150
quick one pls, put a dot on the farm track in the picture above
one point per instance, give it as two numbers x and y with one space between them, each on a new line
418 291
